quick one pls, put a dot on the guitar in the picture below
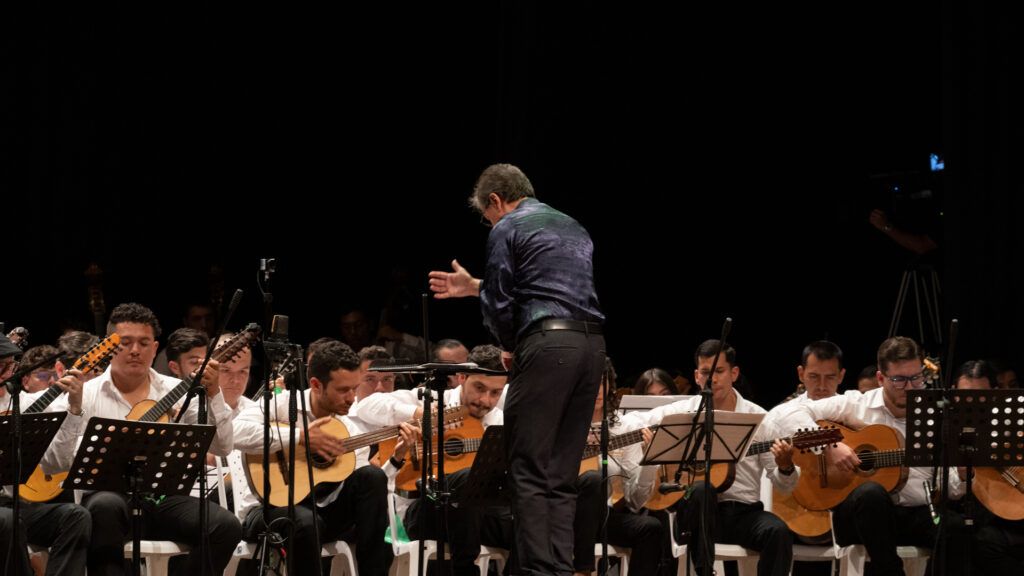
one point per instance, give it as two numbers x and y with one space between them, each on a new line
42 487
334 470
811 526
156 410
723 474
1001 490
460 448
880 449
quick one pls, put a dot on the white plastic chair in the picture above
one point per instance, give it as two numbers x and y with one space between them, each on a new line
619 552
853 557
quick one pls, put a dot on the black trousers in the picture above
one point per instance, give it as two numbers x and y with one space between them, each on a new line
868 516
644 534
468 527
360 508
175 518
13 558
739 523
999 547
552 388
65 528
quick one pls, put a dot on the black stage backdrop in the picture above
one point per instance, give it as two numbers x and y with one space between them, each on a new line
724 159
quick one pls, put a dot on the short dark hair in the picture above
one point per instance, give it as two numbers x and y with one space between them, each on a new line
446 344
898 349
486 356
373 353
184 339
505 180
822 350
37 353
868 371
970 369
331 356
708 348
73 344
135 314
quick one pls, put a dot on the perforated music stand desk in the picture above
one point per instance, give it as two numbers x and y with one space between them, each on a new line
486 485
986 427
37 432
139 458
676 437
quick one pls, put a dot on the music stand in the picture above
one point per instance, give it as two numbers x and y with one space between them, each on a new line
985 426
679 437
139 458
37 432
487 481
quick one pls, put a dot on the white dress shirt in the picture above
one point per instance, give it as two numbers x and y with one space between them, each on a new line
857 410
746 486
624 463
400 406
249 432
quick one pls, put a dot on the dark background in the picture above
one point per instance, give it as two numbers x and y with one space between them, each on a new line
724 159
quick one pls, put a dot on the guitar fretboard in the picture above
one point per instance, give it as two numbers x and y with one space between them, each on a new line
883 458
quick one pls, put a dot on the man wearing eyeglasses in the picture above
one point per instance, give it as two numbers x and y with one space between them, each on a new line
42 377
869 515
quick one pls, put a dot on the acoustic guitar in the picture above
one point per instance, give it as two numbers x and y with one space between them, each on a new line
880 449
1001 490
723 474
811 526
324 471
460 448
42 487
156 410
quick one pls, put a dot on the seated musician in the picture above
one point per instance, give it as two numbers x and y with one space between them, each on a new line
627 524
479 393
60 525
127 381
869 515
358 503
741 518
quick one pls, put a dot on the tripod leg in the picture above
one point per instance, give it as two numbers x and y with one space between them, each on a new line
901 297
917 307
931 300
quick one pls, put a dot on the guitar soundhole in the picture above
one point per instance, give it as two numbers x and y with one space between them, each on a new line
321 462
867 463
453 447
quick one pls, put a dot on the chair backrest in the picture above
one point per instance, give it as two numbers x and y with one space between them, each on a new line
766 491
239 482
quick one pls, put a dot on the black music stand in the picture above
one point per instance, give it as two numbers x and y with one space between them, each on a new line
984 426
437 374
37 432
487 484
139 458
681 439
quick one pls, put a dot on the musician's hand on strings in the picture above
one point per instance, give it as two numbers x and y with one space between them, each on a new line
455 284
842 457
648 436
321 442
783 453
408 436
72 383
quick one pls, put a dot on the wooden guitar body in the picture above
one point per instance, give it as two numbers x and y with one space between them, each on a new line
822 487
336 470
1001 491
811 526
460 448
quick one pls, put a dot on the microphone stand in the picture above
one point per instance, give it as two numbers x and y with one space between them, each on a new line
13 385
292 420
202 417
944 458
605 385
705 436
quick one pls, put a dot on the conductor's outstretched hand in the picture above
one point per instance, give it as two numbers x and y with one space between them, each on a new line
455 284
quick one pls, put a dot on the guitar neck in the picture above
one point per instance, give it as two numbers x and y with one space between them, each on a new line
615 442
165 403
370 438
45 400
883 458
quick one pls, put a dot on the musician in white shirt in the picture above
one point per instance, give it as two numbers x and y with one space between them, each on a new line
360 502
128 381
741 518
869 515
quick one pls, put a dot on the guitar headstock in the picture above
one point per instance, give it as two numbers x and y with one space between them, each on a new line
815 437
97 357
454 416
234 345
932 371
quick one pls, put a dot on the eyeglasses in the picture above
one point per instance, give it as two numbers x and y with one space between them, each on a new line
901 382
45 375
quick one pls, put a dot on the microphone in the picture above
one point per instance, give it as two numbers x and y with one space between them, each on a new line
668 487
236 299
931 507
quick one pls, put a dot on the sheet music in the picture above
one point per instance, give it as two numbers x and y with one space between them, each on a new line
677 435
